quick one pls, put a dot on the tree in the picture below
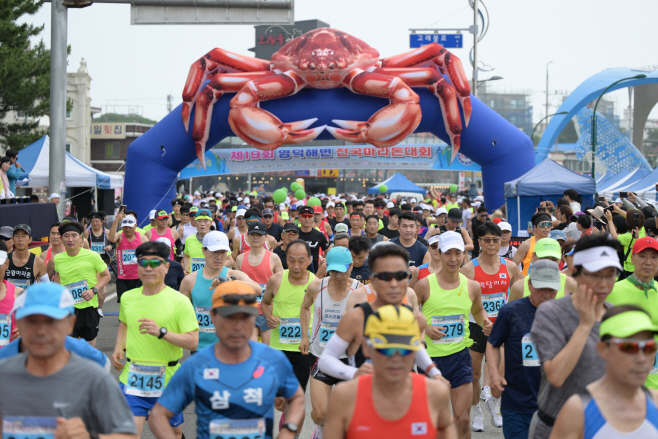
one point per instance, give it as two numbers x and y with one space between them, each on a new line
128 118
24 74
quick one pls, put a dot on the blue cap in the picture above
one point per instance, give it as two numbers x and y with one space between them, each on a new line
45 298
339 259
557 234
242 206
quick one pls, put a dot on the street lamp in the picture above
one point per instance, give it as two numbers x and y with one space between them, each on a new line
640 76
493 78
543 119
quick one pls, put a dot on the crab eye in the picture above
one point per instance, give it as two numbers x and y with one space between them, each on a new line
313 53
332 52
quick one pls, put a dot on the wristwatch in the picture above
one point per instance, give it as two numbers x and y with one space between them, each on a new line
95 290
291 426
163 332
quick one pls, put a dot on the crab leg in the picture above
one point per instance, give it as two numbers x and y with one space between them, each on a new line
435 55
213 62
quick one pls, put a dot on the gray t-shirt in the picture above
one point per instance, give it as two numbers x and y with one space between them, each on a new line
80 389
554 324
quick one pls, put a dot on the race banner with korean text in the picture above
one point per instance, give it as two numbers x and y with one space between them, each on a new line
241 161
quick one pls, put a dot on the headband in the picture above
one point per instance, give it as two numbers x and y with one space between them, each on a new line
69 227
152 253
541 217
200 217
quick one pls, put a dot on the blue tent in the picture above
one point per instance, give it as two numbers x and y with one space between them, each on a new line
607 180
398 183
546 181
612 190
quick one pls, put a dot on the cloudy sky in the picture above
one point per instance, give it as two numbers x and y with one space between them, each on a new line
141 65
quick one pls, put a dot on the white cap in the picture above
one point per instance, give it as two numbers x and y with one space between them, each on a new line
441 210
477 204
164 241
479 198
618 200
433 239
450 240
54 195
129 221
152 214
413 200
505 226
390 205
196 193
3 257
239 198
597 258
282 206
425 207
216 241
240 212
287 201
330 204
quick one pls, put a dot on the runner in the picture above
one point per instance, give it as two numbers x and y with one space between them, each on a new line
193 254
392 401
176 218
259 264
391 230
542 224
495 275
56 247
78 269
357 222
162 231
453 221
240 245
341 239
359 247
274 229
155 324
7 235
234 381
520 386
328 298
43 403
372 226
313 237
617 405
380 209
430 267
96 236
126 243
507 250
340 218
418 254
445 297
567 351
8 292
481 218
439 221
322 223
289 234
24 267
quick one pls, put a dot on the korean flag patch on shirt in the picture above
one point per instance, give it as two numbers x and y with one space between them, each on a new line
211 374
418 428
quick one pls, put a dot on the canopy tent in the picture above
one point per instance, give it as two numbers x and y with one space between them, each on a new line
612 191
613 179
398 183
546 181
603 178
645 187
34 160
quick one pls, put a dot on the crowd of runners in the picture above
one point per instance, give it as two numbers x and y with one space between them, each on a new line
396 317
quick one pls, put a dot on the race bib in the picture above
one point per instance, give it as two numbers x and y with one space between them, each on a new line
128 257
492 303
203 317
146 380
452 326
290 331
20 283
76 289
262 293
327 329
5 329
98 247
529 353
28 427
198 264
237 428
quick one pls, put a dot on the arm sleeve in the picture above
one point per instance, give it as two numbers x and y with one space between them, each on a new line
180 390
423 361
85 350
501 329
329 362
44 278
547 334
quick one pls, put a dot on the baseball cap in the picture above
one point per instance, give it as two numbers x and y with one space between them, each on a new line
164 241
455 215
330 204
640 245
226 300
596 258
24 227
545 274
45 298
505 226
338 259
234 208
450 240
393 327
3 257
390 205
548 248
306 210
203 214
341 228
160 214
129 221
240 212
557 234
317 209
257 227
194 210
282 206
54 195
618 200
433 239
627 323
497 221
6 231
290 226
479 198
152 214
269 212
216 241
413 200
441 211
425 207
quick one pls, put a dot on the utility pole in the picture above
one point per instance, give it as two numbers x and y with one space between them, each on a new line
549 63
475 63
169 103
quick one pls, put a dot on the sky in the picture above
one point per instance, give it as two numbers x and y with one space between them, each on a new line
141 65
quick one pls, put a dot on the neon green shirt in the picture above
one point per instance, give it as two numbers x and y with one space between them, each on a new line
75 271
169 309
286 305
625 240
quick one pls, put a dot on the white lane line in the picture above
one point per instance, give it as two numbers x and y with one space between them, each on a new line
111 296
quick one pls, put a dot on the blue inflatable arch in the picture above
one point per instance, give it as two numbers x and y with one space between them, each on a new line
155 158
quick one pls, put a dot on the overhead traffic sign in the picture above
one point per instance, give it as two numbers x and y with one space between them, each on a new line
449 41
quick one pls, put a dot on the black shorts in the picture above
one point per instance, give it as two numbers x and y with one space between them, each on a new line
478 337
301 366
124 285
317 374
86 323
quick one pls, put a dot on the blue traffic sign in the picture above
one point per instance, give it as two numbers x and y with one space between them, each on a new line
449 41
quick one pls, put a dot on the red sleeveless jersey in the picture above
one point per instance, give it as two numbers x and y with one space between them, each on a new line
497 284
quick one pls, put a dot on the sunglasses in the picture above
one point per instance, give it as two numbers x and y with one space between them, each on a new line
434 246
292 232
390 352
388 276
307 215
5 238
629 346
268 216
490 240
544 224
235 299
154 263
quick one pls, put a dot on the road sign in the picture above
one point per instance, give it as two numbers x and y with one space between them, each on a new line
449 41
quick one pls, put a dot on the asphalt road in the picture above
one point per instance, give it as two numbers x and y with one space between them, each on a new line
105 342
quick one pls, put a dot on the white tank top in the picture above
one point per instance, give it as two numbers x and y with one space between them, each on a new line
326 315
188 229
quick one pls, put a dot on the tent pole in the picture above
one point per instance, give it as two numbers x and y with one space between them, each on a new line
518 211
96 198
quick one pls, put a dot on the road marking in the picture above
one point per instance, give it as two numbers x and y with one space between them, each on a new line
111 296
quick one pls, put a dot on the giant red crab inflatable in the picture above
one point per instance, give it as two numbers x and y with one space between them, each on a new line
325 58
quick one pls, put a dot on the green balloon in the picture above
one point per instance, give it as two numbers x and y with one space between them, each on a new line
294 186
300 194
279 196
383 188
314 201
453 188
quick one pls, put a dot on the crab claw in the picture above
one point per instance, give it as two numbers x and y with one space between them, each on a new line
263 130
450 110
185 114
201 153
